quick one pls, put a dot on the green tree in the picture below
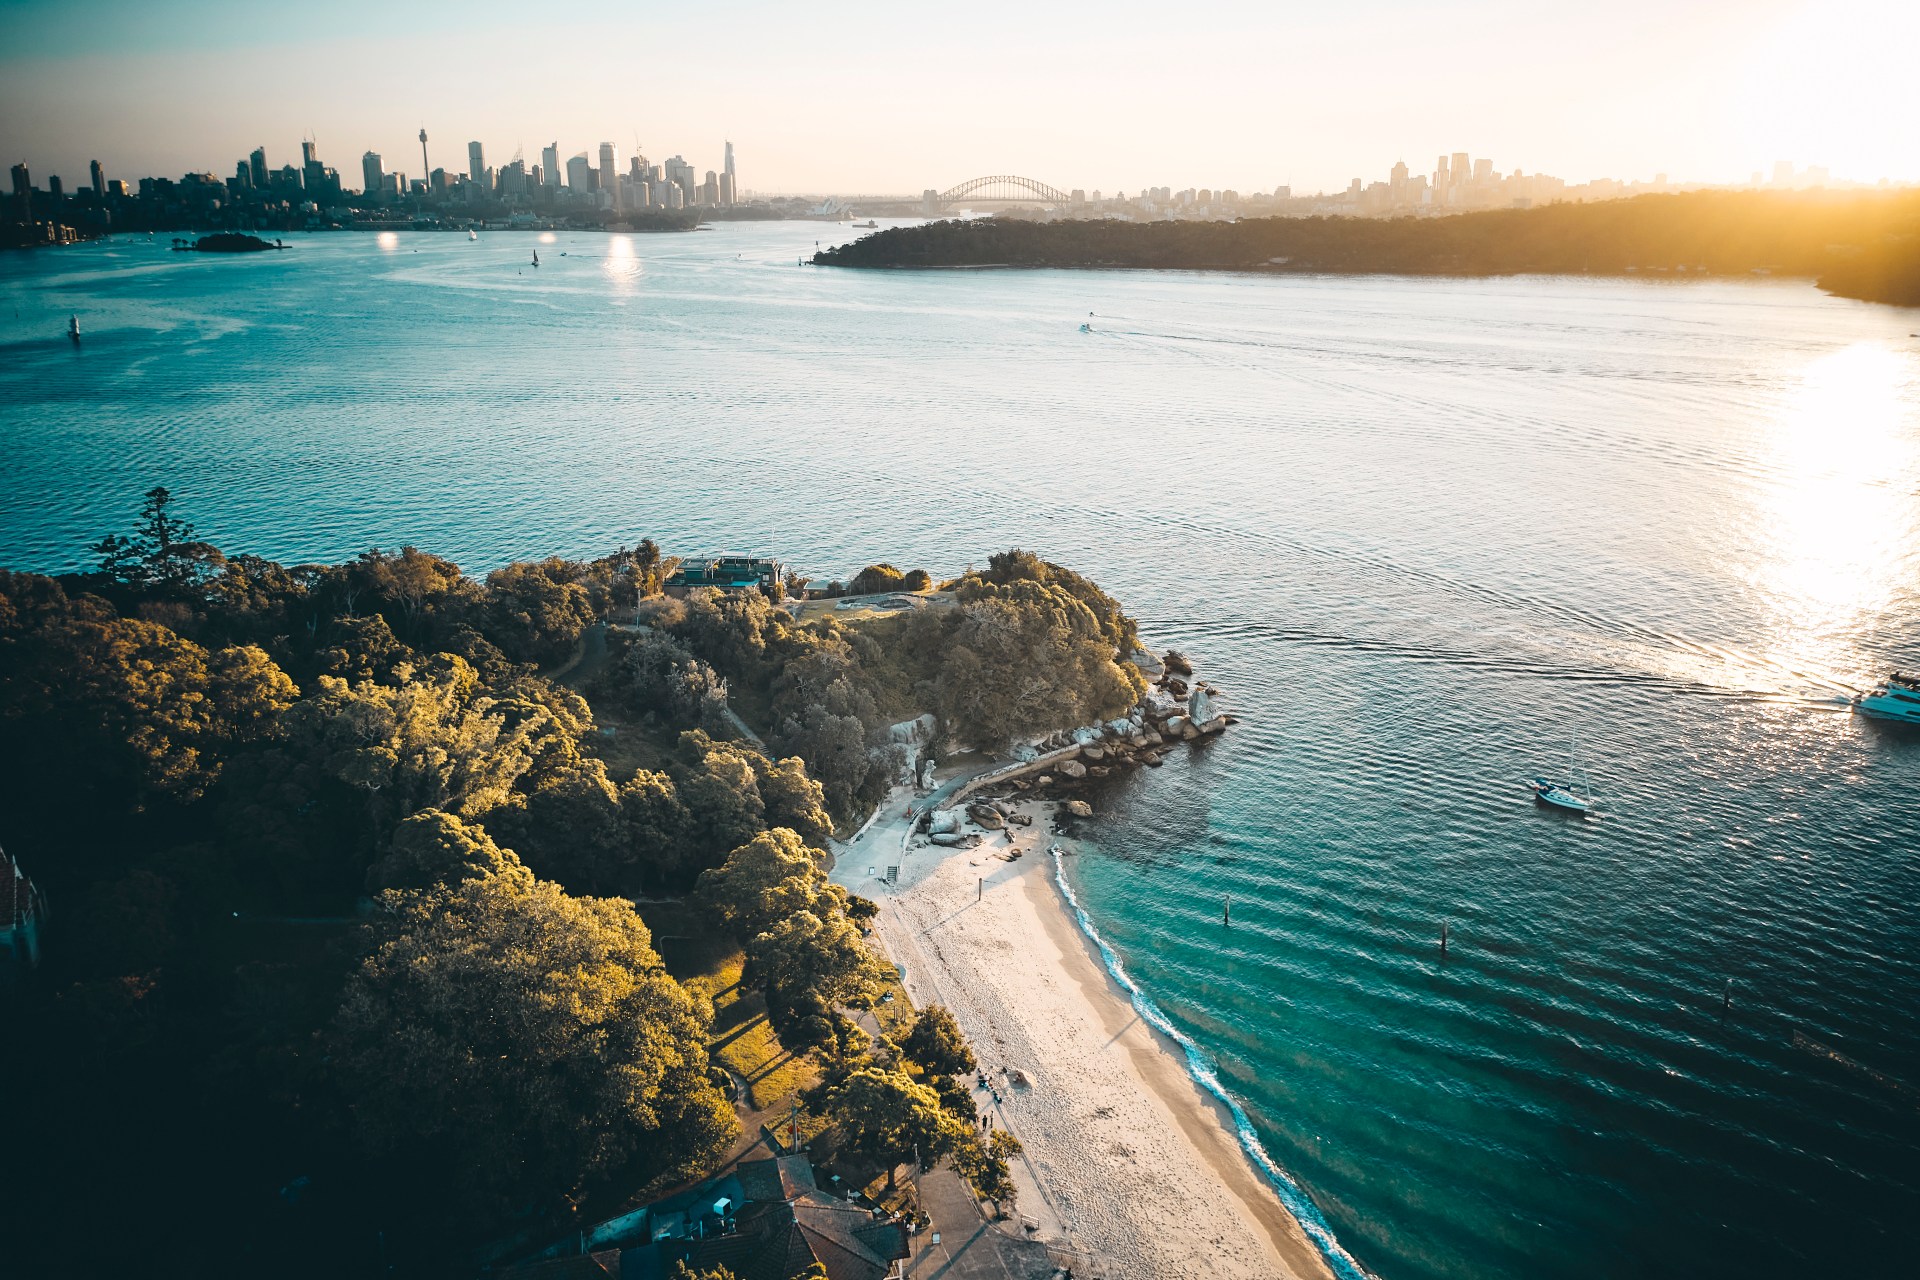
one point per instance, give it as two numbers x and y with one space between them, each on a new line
874 579
814 957
537 612
887 1116
434 847
936 1043
987 1166
513 1041
770 877
655 825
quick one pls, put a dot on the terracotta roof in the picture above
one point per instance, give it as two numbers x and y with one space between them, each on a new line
775 1178
777 1240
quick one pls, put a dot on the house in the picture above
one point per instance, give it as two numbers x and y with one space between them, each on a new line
21 910
725 573
767 1220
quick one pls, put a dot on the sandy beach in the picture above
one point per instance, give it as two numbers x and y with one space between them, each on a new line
1128 1161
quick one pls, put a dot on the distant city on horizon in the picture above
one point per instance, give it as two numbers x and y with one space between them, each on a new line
608 188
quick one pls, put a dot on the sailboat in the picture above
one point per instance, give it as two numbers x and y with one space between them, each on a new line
472 234
1566 796
73 328
536 257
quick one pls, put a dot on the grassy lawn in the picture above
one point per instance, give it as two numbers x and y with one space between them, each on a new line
743 1041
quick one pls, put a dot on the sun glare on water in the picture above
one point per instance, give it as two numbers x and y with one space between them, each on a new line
1835 527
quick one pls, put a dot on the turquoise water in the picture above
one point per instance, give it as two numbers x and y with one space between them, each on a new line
1424 533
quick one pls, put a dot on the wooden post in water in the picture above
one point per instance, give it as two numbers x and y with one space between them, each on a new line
1443 937
1226 912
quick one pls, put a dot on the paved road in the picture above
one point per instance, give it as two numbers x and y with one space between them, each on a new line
970 1247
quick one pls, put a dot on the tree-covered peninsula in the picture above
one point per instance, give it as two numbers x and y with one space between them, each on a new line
400 919
1857 245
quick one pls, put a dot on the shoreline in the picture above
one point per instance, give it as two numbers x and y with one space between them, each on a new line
1130 1159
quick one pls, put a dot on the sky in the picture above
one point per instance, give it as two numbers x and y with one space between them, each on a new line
881 97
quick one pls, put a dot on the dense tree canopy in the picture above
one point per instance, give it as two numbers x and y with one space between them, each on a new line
517 1040
221 769
1859 244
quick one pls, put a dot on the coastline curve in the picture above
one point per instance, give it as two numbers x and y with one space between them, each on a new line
1295 1200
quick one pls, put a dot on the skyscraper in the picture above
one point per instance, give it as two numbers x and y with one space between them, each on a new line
424 166
99 180
372 175
733 179
309 153
550 164
258 162
476 162
23 191
609 176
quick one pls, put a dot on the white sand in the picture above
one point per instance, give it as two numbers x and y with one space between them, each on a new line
1127 1159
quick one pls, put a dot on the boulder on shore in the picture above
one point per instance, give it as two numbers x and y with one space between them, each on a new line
987 816
1079 808
1073 769
948 838
1177 726
944 821
1094 753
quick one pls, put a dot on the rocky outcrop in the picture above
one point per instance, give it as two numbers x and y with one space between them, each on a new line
1079 808
1072 769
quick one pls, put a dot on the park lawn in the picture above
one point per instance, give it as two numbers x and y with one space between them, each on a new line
743 1040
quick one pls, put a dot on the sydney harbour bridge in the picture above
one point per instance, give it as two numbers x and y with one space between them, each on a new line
999 188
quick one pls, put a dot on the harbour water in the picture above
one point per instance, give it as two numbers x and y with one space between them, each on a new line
1424 534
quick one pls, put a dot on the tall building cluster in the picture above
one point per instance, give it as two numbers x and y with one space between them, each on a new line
589 180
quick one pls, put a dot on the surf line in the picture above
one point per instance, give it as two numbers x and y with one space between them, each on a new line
1304 1210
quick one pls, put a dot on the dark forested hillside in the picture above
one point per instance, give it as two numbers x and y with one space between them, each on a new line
343 969
1864 246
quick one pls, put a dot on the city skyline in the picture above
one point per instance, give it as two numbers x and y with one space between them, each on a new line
1238 96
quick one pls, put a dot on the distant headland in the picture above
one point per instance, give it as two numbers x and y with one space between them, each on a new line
1864 246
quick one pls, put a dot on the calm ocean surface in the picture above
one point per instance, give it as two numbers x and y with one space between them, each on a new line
1424 533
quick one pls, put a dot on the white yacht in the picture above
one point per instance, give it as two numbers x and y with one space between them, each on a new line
1897 698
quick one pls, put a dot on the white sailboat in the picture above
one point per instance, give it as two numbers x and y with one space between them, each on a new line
1568 796
472 234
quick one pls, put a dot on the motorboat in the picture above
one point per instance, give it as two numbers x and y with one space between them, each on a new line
1560 795
1897 698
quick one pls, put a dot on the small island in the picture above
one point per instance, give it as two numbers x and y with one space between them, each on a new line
481 921
229 242
1864 246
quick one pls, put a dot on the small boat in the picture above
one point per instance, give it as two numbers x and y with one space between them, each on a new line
1560 795
472 234
73 328
1565 795
1086 328
536 257
868 225
1897 698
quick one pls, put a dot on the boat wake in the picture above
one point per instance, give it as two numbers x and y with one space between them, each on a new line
1304 1211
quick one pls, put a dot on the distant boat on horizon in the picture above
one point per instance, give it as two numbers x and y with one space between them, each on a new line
73 329
536 257
472 234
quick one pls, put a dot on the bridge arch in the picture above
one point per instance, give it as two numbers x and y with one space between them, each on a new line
1001 187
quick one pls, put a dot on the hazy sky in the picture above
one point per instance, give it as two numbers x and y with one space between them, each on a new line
886 95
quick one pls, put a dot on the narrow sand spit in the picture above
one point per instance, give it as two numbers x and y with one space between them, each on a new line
1127 1158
